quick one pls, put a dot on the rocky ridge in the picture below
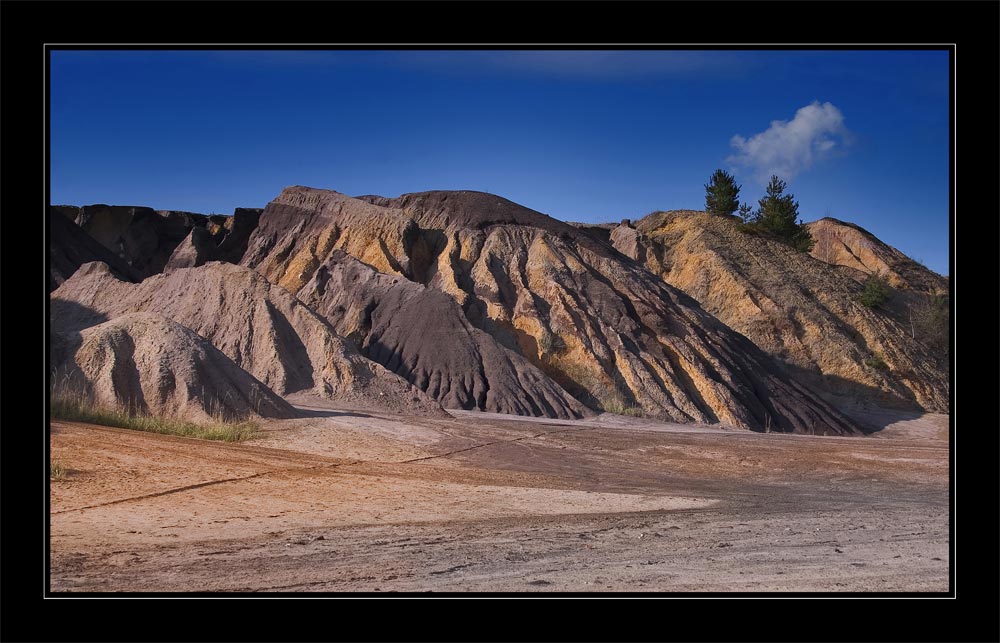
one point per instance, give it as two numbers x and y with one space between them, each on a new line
146 239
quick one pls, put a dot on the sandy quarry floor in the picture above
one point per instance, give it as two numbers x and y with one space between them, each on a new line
371 502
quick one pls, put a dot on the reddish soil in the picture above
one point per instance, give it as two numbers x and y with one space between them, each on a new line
352 501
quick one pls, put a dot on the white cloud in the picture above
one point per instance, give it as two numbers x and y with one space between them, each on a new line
789 147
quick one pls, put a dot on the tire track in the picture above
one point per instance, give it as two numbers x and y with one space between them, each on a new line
200 485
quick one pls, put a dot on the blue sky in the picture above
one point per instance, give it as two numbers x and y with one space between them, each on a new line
583 136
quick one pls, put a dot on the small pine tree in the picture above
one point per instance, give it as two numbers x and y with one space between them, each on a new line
876 291
722 195
778 215
747 213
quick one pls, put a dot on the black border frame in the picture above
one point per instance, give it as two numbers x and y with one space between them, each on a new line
972 25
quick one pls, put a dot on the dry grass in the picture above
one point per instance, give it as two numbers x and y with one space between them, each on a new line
876 362
57 470
620 402
72 405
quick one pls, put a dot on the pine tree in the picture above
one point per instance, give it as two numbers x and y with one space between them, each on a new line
722 195
876 291
747 214
778 215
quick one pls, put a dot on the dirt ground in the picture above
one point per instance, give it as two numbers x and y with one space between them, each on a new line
358 501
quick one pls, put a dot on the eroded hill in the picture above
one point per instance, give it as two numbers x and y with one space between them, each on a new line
148 364
803 311
846 244
546 299
262 328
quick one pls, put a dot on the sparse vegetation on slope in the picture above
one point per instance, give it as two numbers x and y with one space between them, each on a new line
620 408
803 311
876 293
929 321
849 245
67 404
778 216
876 362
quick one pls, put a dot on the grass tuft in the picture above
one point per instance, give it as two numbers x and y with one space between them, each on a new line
876 362
57 470
617 404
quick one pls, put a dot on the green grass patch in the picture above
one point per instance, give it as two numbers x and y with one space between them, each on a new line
78 408
620 408
876 362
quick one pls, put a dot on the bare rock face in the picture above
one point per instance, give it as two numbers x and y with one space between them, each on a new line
262 328
197 249
238 229
417 332
139 235
598 231
801 311
600 326
146 239
845 244
302 226
69 212
631 243
152 365
70 247
468 209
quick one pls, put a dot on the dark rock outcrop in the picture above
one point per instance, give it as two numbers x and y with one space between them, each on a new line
197 249
422 335
239 227
147 239
139 235
70 247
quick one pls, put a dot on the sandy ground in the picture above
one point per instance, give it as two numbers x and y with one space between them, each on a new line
357 501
